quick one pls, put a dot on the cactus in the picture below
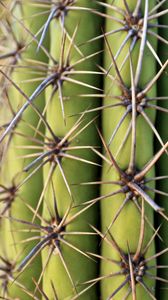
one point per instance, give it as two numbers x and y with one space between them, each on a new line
82 128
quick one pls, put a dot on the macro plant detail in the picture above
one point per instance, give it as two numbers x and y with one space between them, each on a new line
83 149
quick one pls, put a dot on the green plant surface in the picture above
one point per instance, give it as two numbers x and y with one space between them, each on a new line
76 62
127 56
20 146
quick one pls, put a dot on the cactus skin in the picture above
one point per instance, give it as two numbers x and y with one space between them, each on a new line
126 228
162 166
75 171
13 165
